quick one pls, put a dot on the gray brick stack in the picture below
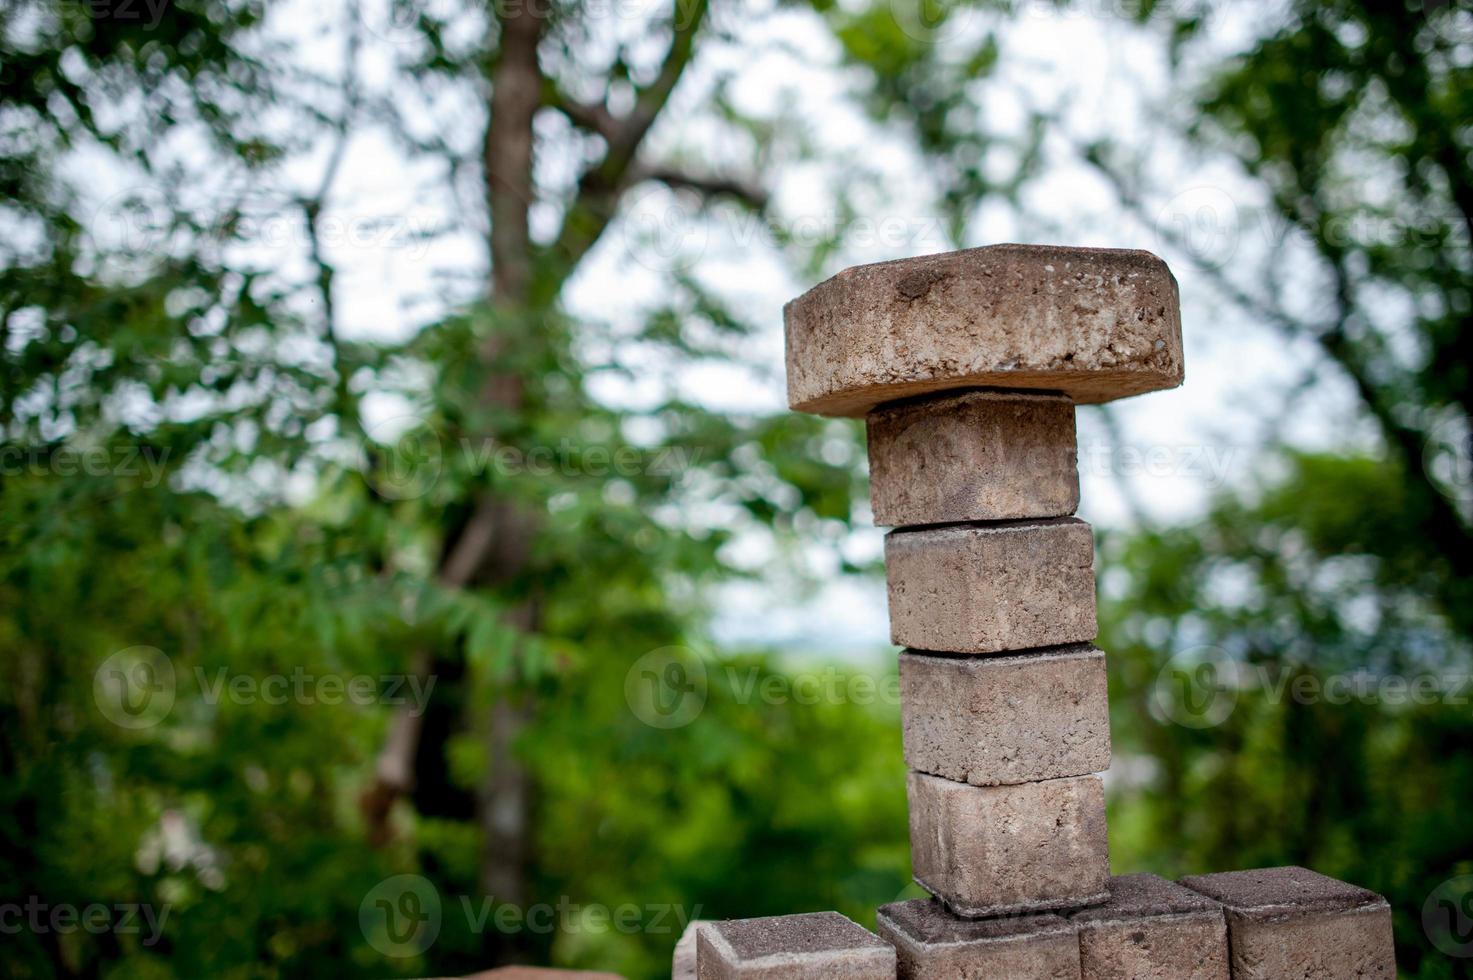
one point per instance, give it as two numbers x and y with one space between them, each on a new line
967 367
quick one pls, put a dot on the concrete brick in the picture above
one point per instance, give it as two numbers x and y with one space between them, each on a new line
1095 324
1293 922
974 456
989 589
1153 929
683 963
992 850
1006 719
813 946
932 944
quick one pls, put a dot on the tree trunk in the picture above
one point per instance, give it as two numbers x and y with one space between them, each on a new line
492 548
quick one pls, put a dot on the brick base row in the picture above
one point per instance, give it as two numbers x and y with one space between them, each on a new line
1240 925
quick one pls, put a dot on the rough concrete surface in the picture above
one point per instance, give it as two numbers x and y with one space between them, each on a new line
1293 922
1153 929
1006 719
811 946
932 944
992 850
973 456
1095 324
683 963
971 589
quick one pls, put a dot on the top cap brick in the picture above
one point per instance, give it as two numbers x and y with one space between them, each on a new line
1095 324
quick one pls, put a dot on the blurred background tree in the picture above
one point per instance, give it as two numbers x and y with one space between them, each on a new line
1352 563
202 475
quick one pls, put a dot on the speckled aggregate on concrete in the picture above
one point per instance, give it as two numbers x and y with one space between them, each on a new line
683 962
811 946
986 589
1153 929
1006 719
1293 922
932 944
1095 324
993 850
973 456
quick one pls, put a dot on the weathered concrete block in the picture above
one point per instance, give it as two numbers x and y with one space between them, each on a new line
1095 324
813 946
932 944
683 963
1153 929
1009 719
991 850
987 589
1293 922
974 456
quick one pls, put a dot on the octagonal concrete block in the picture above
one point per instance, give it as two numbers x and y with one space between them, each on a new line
1095 324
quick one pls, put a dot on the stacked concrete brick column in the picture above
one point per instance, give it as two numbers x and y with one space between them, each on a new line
967 368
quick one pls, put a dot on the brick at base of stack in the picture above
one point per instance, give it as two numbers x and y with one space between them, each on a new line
1241 925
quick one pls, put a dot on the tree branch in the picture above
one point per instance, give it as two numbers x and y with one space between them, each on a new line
749 194
590 117
597 198
1441 518
516 95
